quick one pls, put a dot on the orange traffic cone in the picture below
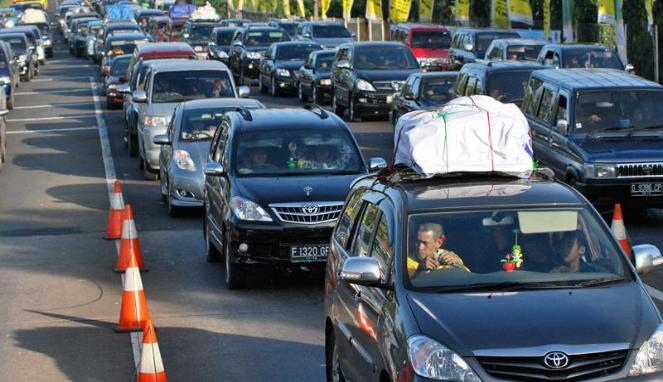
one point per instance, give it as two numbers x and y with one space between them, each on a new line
114 229
619 230
133 312
129 244
150 368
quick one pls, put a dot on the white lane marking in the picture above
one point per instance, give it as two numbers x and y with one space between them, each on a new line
54 91
68 66
655 293
51 130
59 118
109 169
59 79
51 105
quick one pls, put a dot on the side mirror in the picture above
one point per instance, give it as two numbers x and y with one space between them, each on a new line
376 164
408 96
629 68
139 96
161 139
646 257
124 89
468 47
361 271
354 36
343 65
4 112
214 169
307 35
185 35
244 92
562 126
237 43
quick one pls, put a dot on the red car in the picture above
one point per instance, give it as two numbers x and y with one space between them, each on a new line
429 43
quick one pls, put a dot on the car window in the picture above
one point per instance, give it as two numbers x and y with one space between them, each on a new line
610 108
460 84
363 237
562 108
219 141
181 86
548 108
346 222
384 58
437 90
532 96
469 89
171 126
508 86
295 52
478 87
415 86
382 244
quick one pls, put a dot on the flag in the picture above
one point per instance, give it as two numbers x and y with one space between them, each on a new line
374 9
649 7
499 14
347 7
240 4
426 10
286 8
462 11
520 11
231 5
620 32
546 19
301 11
606 11
324 7
400 10
567 20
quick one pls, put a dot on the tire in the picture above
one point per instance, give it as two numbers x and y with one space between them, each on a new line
300 94
273 90
261 86
332 361
353 116
132 145
147 172
234 277
336 108
212 254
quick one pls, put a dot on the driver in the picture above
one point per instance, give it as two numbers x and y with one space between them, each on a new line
572 255
430 252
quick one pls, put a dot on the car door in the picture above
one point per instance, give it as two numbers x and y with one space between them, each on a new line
234 52
305 75
398 103
141 108
341 76
166 152
530 107
267 64
215 185
564 157
543 122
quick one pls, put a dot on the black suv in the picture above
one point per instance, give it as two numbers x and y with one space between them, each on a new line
422 91
197 33
505 80
483 278
469 45
601 131
247 48
274 187
514 49
219 44
570 56
278 65
365 76
314 77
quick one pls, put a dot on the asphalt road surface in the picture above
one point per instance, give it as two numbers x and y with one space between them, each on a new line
59 297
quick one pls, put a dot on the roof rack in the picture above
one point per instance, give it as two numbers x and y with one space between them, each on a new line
316 109
401 173
245 113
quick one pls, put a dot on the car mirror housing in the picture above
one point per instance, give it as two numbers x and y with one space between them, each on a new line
139 96
646 257
562 126
468 47
124 89
361 271
244 92
629 68
161 139
4 112
408 96
343 65
376 164
214 169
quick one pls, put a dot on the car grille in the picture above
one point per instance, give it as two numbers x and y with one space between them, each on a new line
308 212
632 170
387 86
532 369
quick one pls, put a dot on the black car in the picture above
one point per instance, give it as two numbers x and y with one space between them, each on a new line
247 48
197 33
394 314
314 77
274 187
569 56
278 65
600 131
365 76
503 80
468 45
422 91
514 49
22 53
289 26
219 44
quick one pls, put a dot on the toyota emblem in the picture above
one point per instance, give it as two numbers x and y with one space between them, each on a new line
308 190
310 209
647 169
556 360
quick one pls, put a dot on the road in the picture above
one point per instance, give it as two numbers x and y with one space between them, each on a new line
60 298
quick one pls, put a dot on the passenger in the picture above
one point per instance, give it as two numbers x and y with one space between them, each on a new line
587 118
220 89
574 62
536 252
430 252
572 254
260 161
324 159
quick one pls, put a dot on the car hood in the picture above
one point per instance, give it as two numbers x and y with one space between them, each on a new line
290 65
286 189
332 41
470 323
161 109
619 148
385 75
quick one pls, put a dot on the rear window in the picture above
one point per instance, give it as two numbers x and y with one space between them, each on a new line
483 41
295 52
330 31
592 59
120 66
431 40
438 90
324 63
224 38
523 52
17 44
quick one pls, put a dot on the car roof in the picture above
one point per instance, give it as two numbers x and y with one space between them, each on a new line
443 74
521 41
295 43
322 23
486 30
578 46
225 29
323 51
150 12
121 25
221 102
374 44
503 66
121 57
179 64
159 18
577 79
157 49
259 28
290 118
13 34
421 27
127 36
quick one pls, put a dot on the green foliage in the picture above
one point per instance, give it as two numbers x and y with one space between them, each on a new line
639 45
480 13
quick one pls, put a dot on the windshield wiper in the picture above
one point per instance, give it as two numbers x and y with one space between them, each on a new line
599 282
611 128
654 127
506 286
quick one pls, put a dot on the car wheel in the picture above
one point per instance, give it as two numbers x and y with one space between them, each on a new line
147 172
336 108
212 253
132 145
273 90
353 115
234 273
333 360
261 84
300 94
173 211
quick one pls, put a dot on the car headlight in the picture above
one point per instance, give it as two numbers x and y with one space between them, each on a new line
650 356
222 54
599 171
365 86
247 210
183 160
282 72
112 87
325 82
254 55
430 359
154 121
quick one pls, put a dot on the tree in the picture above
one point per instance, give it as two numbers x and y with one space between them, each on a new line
480 12
639 41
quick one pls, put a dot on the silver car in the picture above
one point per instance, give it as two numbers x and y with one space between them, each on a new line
185 148
170 82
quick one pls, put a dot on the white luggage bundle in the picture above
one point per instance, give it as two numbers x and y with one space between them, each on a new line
30 16
206 12
468 134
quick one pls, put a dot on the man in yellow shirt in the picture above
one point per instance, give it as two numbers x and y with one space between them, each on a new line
430 252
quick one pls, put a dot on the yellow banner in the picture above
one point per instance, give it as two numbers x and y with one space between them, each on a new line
606 11
400 10
499 14
301 11
520 11
286 8
240 4
649 7
374 9
324 7
231 5
462 11
426 11
347 7
546 18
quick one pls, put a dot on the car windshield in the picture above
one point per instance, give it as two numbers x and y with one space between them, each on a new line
592 58
201 32
196 84
330 31
324 63
523 52
296 152
295 52
508 86
384 58
120 66
483 41
431 40
224 38
17 44
117 47
438 90
263 38
618 110
519 248
201 124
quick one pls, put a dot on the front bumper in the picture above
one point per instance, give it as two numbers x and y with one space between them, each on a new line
152 150
607 193
187 187
286 83
434 64
376 103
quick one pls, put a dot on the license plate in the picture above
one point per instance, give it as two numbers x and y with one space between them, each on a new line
308 253
646 189
389 99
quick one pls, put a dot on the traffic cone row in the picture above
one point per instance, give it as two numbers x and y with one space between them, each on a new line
134 315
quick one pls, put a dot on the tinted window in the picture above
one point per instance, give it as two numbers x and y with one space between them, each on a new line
364 234
483 41
295 52
186 86
599 58
602 109
224 38
17 44
330 31
201 124
508 86
347 220
382 245
289 28
523 52
384 58
117 47
532 96
263 38
438 90
120 66
431 40
547 108
201 32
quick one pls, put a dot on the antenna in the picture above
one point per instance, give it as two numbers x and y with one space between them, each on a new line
245 113
316 109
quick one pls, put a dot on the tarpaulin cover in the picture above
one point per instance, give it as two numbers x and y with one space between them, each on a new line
30 16
468 134
206 12
178 11
119 12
